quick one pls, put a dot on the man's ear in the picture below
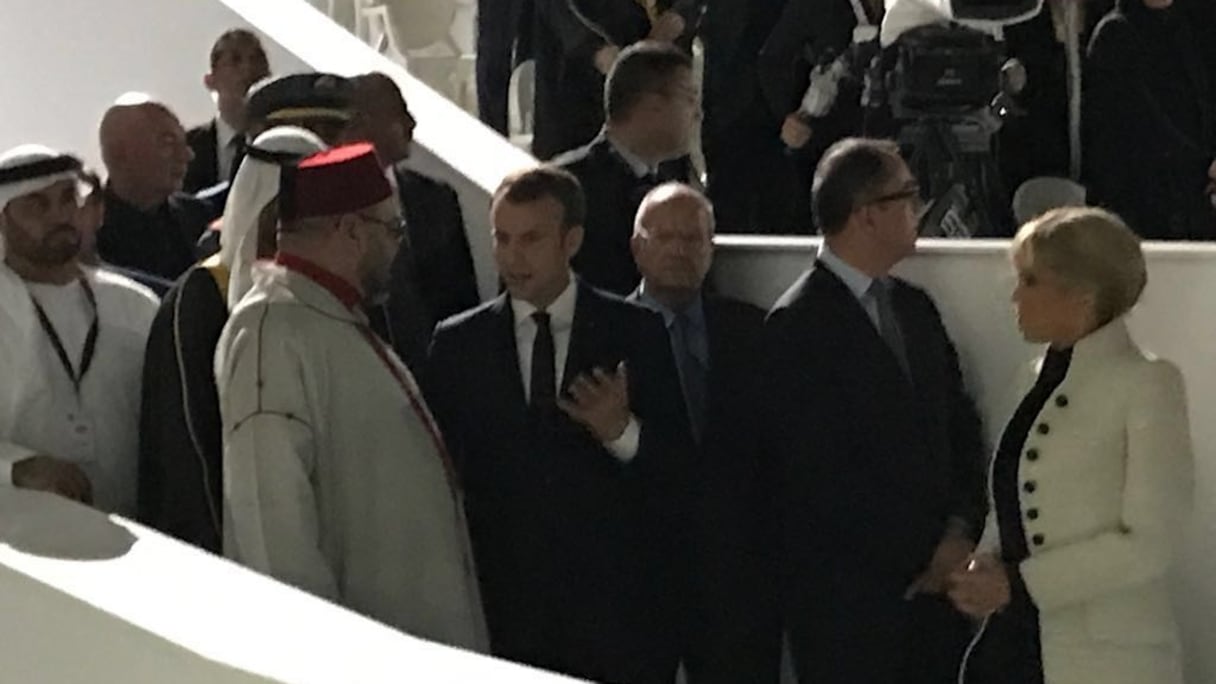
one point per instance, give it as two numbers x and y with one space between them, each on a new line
348 226
572 241
209 81
636 244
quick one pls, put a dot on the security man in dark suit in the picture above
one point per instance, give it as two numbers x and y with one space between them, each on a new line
504 40
875 443
576 44
433 275
315 101
237 62
751 179
653 108
810 33
731 631
562 409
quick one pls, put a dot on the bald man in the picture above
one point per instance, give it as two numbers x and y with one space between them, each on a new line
150 225
732 630
433 275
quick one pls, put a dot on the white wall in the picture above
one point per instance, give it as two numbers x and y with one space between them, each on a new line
63 62
971 282
66 61
91 598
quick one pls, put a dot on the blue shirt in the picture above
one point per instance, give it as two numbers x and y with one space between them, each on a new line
858 283
698 341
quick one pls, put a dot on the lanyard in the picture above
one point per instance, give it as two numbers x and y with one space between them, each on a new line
90 340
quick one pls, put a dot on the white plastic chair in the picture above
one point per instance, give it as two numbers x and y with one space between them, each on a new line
1040 195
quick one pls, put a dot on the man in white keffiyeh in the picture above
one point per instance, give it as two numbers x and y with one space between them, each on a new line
180 453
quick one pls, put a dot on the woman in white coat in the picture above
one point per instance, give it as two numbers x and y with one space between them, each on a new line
1091 482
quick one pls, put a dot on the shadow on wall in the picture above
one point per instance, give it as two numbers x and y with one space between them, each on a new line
49 636
50 526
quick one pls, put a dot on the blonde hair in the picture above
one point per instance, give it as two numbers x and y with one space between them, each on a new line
1090 249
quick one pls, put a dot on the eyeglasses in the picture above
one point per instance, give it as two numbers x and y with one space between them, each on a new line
908 194
912 193
396 226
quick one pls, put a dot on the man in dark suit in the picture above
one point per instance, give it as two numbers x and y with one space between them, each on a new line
150 225
237 62
315 101
433 275
504 30
810 33
562 408
653 107
877 446
576 43
751 179
731 629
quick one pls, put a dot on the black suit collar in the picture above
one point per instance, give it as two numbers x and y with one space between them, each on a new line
583 332
855 315
506 353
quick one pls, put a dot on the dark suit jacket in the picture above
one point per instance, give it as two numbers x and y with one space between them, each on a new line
870 468
160 242
1150 121
432 274
569 90
613 196
578 553
438 245
734 32
732 625
203 171
809 32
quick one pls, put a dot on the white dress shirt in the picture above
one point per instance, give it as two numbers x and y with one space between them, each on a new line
561 321
225 148
858 282
640 168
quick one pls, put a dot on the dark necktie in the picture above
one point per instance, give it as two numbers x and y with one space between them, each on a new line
544 372
693 373
888 324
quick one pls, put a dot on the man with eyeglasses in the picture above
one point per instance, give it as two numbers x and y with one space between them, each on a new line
876 442
336 479
729 631
71 343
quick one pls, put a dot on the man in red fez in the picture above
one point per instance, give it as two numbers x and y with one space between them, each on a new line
336 479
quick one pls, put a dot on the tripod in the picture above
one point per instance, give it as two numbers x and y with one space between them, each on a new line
952 157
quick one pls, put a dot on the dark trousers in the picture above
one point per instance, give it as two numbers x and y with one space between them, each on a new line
921 642
753 182
497 23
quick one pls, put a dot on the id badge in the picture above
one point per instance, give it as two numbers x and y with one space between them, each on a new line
82 438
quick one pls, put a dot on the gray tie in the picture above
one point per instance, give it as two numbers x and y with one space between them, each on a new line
693 373
888 324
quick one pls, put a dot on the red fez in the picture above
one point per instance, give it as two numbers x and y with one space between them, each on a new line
341 180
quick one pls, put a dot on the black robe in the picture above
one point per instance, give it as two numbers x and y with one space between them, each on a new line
180 446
